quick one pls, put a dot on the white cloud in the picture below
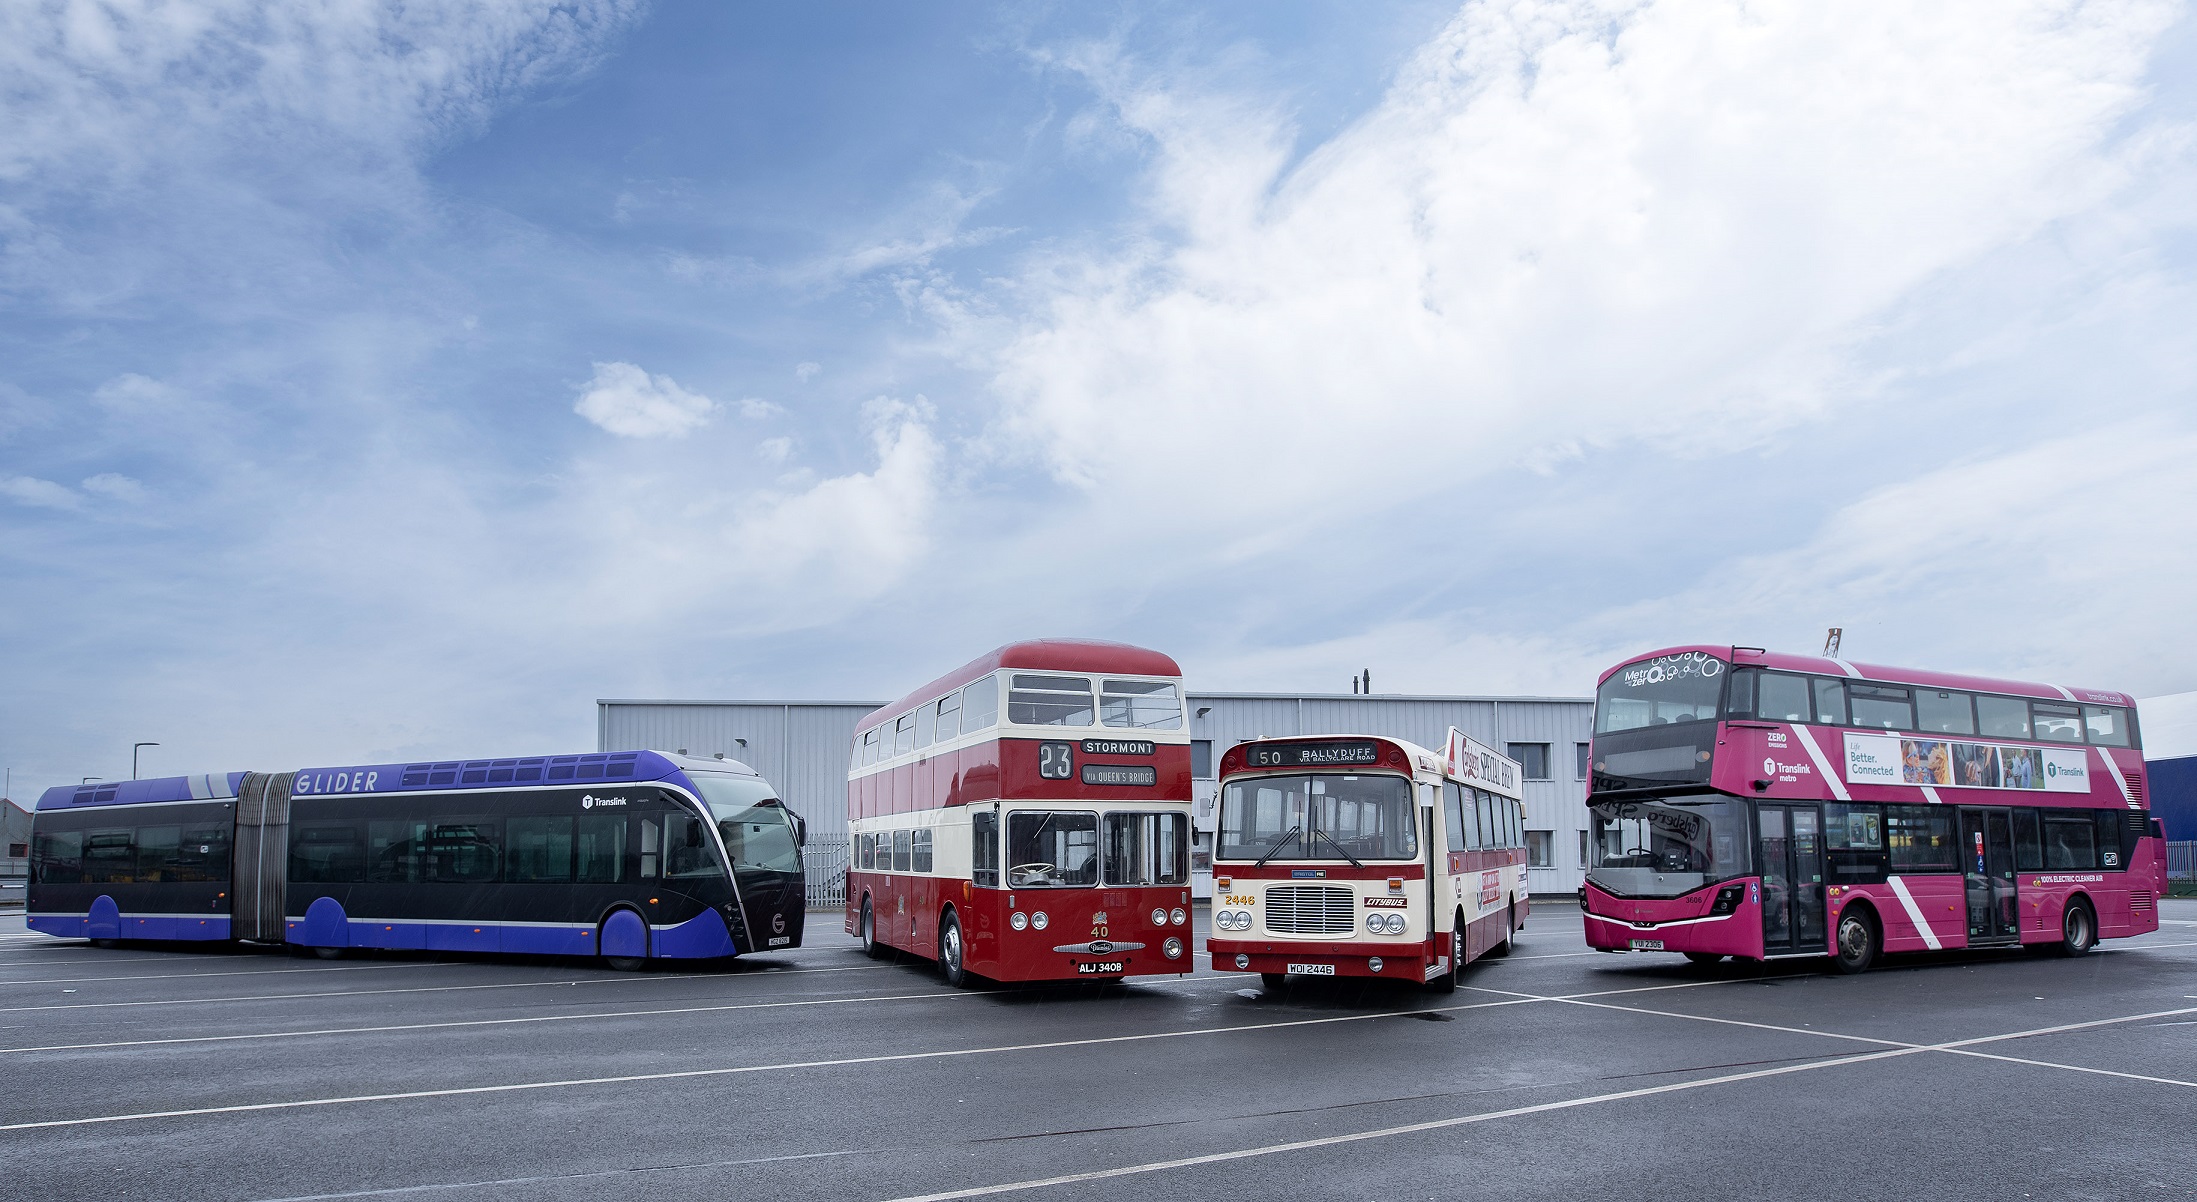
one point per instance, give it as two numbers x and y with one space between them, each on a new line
631 403
1566 225
805 372
756 408
2029 563
115 487
42 494
776 450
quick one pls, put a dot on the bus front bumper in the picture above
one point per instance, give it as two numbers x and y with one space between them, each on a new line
1405 961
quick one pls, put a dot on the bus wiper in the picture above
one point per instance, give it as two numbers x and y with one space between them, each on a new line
1321 833
1287 835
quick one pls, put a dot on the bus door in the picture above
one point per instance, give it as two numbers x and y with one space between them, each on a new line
1790 852
1987 850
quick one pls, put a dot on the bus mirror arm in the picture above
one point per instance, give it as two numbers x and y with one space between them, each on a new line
800 829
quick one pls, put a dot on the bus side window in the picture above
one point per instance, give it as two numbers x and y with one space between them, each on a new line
2028 838
687 850
651 849
602 849
1453 812
1483 828
903 851
922 850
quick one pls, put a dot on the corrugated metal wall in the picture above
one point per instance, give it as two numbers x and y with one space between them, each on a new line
801 746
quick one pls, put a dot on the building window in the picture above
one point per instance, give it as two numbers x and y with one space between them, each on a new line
1201 759
1581 749
1534 757
1583 850
1540 849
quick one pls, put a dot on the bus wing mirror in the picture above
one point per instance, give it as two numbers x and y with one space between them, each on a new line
800 829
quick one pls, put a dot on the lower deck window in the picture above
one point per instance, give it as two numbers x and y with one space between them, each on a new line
1147 849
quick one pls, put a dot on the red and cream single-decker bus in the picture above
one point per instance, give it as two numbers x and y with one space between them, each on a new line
1760 805
1357 856
1027 817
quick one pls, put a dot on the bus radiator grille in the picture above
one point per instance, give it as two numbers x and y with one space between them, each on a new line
1310 910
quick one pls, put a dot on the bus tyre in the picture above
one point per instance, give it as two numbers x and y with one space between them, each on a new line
1510 928
2078 928
1705 959
868 933
952 954
1858 941
1447 982
329 953
1274 982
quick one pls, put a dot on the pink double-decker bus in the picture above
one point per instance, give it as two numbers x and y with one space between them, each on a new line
1026 817
1762 805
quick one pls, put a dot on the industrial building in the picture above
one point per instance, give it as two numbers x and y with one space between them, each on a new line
802 747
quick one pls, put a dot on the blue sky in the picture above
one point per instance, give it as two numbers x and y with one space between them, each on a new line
380 381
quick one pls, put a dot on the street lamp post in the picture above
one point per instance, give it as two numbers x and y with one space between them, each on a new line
134 748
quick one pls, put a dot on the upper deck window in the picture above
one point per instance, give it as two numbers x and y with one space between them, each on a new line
1941 712
1882 707
1785 698
2002 717
904 734
980 704
2107 724
1684 687
949 716
1049 701
1140 704
2057 723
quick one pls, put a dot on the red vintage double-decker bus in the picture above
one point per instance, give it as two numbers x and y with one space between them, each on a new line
1027 817
1759 805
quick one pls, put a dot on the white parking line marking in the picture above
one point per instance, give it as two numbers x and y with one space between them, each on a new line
286 997
400 1190
249 972
1515 1112
478 1022
738 1070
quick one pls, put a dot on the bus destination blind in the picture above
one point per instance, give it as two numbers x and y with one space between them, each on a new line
1313 755
1120 774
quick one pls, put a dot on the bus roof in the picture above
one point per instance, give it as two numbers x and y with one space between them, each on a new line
212 786
608 768
1048 655
1785 661
604 768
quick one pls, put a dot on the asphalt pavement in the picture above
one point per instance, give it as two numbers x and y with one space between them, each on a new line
1555 1073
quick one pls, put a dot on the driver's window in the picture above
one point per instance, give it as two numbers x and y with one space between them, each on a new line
1051 848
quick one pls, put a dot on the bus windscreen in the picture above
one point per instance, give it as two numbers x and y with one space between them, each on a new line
1684 687
752 820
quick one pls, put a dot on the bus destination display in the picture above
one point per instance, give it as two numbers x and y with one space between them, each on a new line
1120 774
1117 747
1312 755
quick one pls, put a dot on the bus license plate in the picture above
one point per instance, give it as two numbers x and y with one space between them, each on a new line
1100 967
1312 970
1647 945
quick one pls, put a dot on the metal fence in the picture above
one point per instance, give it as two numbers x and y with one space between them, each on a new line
2181 861
824 860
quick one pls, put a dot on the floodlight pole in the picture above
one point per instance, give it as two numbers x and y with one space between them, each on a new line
134 747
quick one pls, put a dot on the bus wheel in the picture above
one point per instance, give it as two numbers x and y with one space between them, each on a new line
1858 940
2078 929
329 953
870 946
951 953
1510 928
1705 959
1274 982
1447 982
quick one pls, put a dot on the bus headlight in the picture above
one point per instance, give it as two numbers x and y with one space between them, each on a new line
1395 924
1374 925
1159 917
1374 964
1243 920
1172 949
1018 920
1242 961
1039 920
1225 919
1177 916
